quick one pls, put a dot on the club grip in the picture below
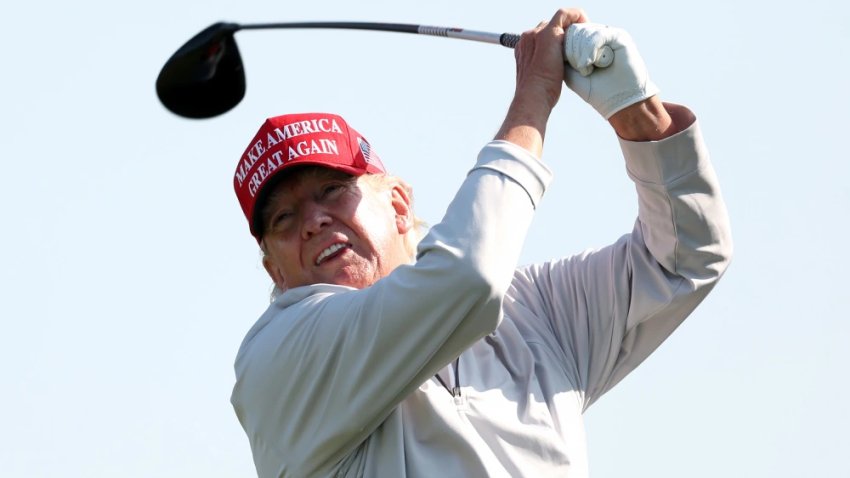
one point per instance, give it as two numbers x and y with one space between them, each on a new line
509 39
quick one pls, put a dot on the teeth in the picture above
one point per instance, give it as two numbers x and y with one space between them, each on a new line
327 252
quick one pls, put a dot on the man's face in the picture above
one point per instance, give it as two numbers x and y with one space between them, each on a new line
324 226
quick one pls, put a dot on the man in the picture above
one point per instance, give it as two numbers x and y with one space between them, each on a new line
375 362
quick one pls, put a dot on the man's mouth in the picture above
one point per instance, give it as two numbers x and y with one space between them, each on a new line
331 252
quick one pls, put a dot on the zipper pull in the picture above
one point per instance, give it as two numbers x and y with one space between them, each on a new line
456 392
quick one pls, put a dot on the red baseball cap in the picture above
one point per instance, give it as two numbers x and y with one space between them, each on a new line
319 139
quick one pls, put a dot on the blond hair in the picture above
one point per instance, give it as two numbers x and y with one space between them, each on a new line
383 182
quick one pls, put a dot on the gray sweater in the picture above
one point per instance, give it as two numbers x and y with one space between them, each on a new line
333 381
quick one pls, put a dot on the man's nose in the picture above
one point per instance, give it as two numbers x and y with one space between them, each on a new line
315 219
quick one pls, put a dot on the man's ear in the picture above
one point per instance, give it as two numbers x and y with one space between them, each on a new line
274 273
401 202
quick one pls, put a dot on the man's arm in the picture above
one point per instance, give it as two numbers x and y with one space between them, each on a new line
540 78
650 120
610 308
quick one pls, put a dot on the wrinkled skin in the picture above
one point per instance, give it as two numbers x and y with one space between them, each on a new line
324 226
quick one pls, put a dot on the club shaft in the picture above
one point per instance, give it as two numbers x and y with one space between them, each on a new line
505 39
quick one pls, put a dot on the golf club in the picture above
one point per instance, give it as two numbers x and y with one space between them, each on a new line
206 77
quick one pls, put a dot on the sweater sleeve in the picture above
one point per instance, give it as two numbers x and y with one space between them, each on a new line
608 309
326 364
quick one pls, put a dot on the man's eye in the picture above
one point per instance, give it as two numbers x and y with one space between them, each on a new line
281 218
331 189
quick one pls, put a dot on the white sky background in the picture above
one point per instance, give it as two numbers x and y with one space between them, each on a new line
128 276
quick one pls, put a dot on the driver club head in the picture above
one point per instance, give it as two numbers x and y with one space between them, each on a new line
205 77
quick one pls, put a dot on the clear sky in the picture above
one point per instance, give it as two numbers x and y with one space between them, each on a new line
128 276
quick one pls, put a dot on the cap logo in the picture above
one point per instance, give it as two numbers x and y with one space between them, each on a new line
295 149
365 149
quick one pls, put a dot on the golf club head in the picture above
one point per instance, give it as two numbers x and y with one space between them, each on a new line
205 77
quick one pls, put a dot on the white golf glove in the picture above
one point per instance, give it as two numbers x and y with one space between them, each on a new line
608 90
